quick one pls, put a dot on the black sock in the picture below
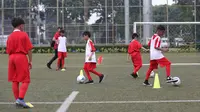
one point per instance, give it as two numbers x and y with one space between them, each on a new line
21 98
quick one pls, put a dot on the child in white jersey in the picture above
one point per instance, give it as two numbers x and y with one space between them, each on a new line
90 59
62 50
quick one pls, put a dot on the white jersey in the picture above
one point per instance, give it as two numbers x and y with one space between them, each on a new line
155 43
89 49
62 41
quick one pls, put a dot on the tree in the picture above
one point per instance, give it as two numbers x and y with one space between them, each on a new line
191 3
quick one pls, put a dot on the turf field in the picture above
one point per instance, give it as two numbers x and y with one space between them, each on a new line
118 92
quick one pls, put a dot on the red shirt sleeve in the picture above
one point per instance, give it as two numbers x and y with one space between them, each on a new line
57 35
28 43
157 43
130 48
139 45
8 46
92 46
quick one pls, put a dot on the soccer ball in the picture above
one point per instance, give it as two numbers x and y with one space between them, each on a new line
177 81
81 79
152 74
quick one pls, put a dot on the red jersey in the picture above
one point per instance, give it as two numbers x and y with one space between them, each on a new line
134 48
56 36
18 42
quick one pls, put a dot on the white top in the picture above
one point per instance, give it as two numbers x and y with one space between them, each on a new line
155 43
89 49
62 44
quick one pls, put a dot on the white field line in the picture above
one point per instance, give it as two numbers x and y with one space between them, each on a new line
109 102
65 105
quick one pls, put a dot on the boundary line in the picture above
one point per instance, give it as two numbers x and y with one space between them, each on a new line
65 105
70 99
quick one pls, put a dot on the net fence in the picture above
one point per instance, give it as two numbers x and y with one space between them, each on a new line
104 18
176 34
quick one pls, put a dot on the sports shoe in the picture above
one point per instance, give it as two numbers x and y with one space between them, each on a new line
134 75
63 70
170 80
49 66
146 83
101 78
89 82
21 103
17 104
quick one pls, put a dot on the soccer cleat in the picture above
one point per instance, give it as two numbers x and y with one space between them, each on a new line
146 83
29 104
170 80
49 66
101 78
22 103
134 75
137 74
17 104
63 70
89 82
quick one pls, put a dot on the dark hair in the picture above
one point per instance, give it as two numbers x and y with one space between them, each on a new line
62 31
161 27
17 21
87 33
134 35
60 28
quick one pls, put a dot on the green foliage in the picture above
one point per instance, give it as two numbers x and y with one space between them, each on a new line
110 49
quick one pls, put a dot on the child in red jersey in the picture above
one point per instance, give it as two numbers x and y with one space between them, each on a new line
18 46
134 51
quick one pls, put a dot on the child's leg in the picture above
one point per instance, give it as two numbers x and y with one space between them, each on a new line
91 68
164 62
15 89
137 62
59 63
63 62
95 72
64 55
87 72
153 65
23 90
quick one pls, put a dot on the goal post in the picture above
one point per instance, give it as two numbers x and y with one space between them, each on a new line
178 33
162 23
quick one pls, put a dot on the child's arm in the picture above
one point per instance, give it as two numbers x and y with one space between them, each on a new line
128 57
146 50
93 50
57 41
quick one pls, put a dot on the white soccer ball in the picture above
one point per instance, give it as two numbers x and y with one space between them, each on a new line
177 81
152 74
81 79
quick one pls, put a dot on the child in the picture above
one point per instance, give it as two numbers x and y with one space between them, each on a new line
134 51
18 46
156 56
90 59
62 50
55 46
